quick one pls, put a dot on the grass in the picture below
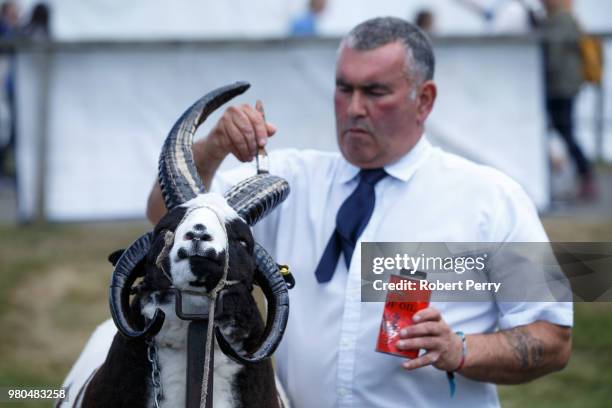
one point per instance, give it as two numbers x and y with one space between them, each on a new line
52 295
587 379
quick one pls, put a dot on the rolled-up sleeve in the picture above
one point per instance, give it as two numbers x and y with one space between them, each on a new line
536 290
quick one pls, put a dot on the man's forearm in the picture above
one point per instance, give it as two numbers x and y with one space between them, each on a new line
517 355
207 164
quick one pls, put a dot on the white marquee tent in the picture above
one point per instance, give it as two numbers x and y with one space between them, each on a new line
94 108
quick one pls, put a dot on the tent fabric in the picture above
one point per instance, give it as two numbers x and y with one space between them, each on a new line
108 108
187 19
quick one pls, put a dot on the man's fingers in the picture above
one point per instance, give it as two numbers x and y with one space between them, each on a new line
238 143
259 107
259 124
428 343
226 141
429 314
421 330
243 129
271 129
242 121
422 361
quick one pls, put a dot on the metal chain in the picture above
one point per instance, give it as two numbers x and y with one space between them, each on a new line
155 372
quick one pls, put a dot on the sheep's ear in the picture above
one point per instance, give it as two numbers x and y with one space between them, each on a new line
114 257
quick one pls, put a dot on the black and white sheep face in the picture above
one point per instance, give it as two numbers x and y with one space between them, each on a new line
208 231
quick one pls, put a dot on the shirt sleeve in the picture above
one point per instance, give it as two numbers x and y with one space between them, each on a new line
534 291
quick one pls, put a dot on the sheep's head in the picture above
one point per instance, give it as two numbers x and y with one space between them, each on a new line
205 239
192 243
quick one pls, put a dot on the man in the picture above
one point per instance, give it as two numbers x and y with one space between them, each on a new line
563 69
306 24
384 94
425 21
9 30
563 74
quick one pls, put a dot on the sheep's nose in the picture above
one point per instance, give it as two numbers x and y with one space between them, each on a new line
196 235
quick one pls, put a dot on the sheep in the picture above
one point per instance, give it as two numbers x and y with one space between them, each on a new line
200 256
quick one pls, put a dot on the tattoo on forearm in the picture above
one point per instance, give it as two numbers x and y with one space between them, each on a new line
528 349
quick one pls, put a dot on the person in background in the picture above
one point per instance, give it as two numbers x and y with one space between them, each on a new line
425 21
563 80
9 19
563 73
38 26
305 25
9 30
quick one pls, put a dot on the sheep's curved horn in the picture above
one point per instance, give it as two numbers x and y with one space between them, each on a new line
178 176
256 196
269 278
121 283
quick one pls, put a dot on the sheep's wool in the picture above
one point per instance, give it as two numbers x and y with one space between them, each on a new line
171 342
215 201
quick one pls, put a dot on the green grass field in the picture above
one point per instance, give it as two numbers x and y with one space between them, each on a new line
53 281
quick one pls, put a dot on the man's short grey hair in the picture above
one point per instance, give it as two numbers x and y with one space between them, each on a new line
380 31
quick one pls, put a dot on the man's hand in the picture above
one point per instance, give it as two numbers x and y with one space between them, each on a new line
430 332
240 131
511 356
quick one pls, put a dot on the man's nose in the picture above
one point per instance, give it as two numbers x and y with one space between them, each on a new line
356 106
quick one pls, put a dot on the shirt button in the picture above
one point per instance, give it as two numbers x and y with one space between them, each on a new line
345 343
342 392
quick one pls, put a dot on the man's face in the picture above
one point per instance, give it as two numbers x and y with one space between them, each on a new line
377 120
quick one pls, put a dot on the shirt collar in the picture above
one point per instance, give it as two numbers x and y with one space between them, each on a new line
401 169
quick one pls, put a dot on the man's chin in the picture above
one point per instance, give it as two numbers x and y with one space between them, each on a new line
359 149
359 157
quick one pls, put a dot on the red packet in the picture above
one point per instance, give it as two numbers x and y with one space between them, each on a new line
400 306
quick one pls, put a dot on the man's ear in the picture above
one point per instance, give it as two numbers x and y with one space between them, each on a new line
114 257
426 99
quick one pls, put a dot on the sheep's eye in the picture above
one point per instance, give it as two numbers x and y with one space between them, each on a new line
244 243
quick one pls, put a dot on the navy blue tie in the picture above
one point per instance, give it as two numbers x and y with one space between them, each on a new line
351 220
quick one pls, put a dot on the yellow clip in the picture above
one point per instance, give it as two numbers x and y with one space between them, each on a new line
287 276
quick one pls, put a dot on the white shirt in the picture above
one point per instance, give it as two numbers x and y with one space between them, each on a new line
327 357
